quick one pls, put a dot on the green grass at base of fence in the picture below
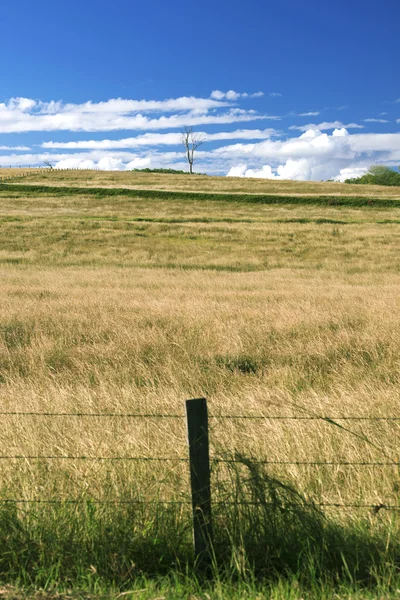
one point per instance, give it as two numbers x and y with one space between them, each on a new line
107 556
268 539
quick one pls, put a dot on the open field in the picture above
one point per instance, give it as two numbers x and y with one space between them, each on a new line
124 304
198 183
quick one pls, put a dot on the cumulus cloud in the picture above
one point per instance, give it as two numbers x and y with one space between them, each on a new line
275 94
350 173
21 104
233 96
242 171
326 125
313 155
107 163
300 169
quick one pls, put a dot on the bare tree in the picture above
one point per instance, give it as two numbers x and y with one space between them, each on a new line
47 163
191 140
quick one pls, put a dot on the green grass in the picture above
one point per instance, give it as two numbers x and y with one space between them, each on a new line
214 196
75 228
278 541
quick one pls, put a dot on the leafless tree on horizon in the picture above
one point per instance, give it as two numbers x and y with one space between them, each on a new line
191 140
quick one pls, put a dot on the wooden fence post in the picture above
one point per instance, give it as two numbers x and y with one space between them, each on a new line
199 458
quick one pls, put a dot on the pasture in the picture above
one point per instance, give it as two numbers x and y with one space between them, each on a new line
132 305
197 183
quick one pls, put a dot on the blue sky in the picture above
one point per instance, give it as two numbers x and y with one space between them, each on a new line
288 89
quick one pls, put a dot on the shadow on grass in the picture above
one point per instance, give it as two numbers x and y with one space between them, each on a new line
264 530
267 528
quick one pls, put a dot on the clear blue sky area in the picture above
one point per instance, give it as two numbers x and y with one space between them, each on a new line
339 59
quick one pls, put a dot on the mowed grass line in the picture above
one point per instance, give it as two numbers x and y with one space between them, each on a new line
356 201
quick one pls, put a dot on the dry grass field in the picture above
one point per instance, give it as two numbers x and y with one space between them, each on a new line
197 183
132 305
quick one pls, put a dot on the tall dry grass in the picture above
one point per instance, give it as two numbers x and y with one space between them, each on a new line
138 340
111 305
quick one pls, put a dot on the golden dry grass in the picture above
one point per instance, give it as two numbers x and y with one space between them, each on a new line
199 183
14 172
121 305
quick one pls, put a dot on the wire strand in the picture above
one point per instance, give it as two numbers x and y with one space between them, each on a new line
182 416
213 460
105 458
311 463
374 507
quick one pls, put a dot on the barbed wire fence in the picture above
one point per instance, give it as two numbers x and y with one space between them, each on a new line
200 462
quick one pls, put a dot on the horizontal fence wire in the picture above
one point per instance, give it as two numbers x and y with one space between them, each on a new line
375 508
83 414
327 463
182 416
105 458
94 501
302 418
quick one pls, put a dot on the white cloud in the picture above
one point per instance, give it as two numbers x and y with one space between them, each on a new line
231 95
326 125
21 104
300 169
375 120
157 139
107 163
275 94
23 114
74 163
313 155
68 160
311 113
238 170
351 173
242 171
12 148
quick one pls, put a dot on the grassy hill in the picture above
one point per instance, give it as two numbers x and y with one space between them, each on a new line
128 304
196 183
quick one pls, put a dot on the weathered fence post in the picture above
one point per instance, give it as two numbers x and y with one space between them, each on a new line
199 458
